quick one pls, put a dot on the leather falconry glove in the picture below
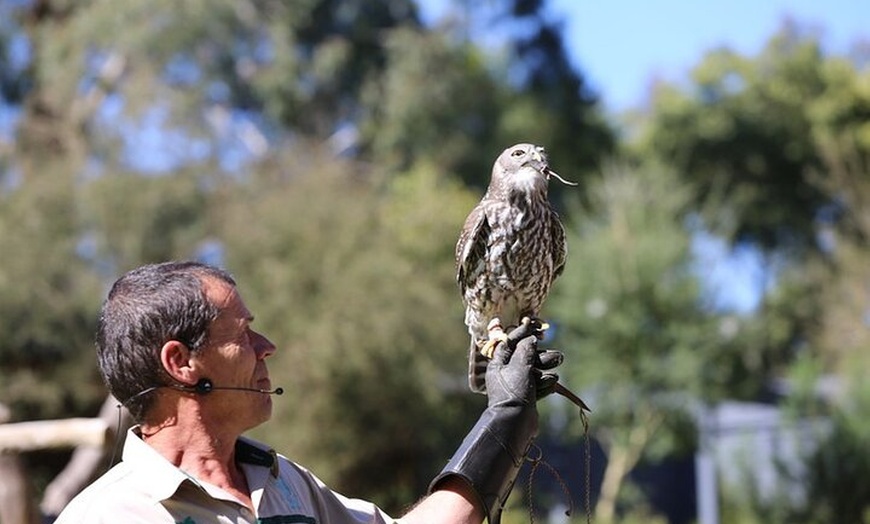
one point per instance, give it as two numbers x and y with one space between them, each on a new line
492 453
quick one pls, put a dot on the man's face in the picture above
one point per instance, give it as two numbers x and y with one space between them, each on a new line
235 357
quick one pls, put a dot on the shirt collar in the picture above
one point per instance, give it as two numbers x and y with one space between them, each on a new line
254 453
259 463
148 464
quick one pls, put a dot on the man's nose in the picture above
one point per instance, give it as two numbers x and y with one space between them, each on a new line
262 345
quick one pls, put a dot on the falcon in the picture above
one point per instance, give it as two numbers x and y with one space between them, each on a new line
510 250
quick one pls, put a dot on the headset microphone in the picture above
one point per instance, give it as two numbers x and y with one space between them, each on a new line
204 386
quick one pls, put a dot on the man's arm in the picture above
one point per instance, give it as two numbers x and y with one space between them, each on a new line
454 501
476 482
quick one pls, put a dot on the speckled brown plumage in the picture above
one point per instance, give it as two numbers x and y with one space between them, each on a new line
510 250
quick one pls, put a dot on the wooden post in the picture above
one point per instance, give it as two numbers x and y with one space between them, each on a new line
90 436
50 434
87 462
16 501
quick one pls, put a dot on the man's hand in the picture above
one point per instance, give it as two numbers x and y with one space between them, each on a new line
519 373
493 452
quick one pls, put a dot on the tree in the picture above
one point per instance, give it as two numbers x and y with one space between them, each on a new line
540 96
452 123
841 137
630 315
214 129
776 149
741 134
358 294
47 292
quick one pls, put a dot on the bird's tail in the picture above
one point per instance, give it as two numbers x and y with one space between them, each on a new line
476 369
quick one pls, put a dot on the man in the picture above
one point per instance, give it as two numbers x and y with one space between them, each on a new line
176 346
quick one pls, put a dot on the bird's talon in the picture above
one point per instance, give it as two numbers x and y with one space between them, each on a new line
540 332
538 326
488 349
496 336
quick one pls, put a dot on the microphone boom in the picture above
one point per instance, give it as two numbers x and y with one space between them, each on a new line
276 391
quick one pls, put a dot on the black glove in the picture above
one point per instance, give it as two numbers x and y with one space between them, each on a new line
490 457
519 372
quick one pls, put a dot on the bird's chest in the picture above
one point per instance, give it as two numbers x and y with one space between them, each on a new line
519 247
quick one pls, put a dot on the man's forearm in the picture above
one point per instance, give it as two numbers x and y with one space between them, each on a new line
453 502
483 469
491 456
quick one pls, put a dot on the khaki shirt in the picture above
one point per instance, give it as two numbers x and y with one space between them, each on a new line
146 488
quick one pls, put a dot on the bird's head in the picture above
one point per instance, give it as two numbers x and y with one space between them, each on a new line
524 167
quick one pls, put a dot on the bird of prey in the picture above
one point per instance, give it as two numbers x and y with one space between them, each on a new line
511 249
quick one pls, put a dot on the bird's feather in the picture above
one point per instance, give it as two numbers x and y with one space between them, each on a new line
471 248
511 248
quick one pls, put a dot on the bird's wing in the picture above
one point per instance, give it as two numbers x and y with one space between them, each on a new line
471 247
560 246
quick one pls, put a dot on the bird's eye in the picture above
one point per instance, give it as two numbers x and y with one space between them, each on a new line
518 152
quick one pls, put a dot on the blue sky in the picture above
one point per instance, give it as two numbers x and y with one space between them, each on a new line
620 45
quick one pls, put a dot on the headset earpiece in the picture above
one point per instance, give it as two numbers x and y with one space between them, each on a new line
203 386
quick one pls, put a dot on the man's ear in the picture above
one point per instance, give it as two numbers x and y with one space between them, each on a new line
176 360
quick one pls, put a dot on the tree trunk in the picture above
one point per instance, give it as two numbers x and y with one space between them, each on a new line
87 461
621 459
16 505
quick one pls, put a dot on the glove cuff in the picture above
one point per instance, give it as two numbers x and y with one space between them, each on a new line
491 455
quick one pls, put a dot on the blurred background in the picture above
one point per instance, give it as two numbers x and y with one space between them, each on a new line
715 307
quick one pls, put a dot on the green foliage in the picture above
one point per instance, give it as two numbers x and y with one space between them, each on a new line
742 134
632 320
835 493
347 262
47 299
354 282
135 219
627 301
829 475
562 111
407 113
775 149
